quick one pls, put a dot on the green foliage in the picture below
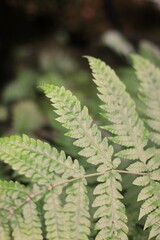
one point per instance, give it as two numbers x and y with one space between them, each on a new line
117 42
150 51
27 117
45 168
97 151
55 205
22 87
149 77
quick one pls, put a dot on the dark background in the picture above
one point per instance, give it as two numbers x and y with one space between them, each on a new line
80 23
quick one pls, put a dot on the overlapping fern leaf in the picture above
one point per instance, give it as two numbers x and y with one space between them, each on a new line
55 205
129 131
49 171
5 232
76 211
110 210
149 77
13 195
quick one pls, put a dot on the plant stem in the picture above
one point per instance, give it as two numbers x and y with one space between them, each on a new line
54 184
98 174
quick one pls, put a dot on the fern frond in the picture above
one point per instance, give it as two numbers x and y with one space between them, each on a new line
4 232
151 194
79 124
129 131
28 226
46 168
111 211
149 77
88 137
18 229
12 195
54 216
56 197
76 211
112 220
32 224
155 230
118 108
150 51
36 159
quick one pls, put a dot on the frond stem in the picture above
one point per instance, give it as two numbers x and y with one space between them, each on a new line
54 184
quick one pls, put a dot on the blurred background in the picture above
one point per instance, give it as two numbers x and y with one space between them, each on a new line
45 41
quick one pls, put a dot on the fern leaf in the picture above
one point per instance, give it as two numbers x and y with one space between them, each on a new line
12 194
77 211
79 124
150 51
141 181
5 232
54 216
59 183
46 167
32 222
18 227
152 196
154 217
136 167
111 211
128 153
35 159
149 77
119 109
97 151
28 226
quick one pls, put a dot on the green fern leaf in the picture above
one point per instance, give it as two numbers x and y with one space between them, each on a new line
136 167
54 216
156 229
77 211
36 159
97 151
141 181
58 186
32 224
12 196
119 109
130 153
79 124
4 232
149 77
112 220
46 168
18 229
150 51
